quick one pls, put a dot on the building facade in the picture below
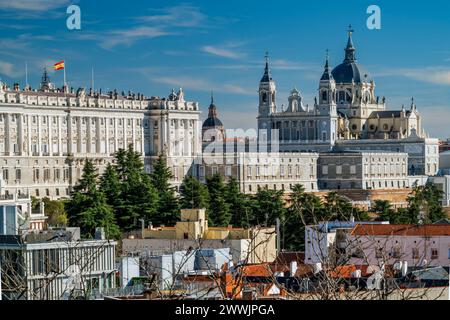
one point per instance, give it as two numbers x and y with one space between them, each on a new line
363 170
346 114
47 133
55 265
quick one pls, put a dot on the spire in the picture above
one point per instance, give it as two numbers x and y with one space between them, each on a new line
266 77
46 84
326 73
350 49
212 110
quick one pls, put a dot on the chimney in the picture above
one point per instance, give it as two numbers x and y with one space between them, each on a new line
99 233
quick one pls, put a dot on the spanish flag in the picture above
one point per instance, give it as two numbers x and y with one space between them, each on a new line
59 65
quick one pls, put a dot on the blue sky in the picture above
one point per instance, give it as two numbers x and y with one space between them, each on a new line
154 46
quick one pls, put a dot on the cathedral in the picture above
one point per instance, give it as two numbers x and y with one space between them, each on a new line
346 115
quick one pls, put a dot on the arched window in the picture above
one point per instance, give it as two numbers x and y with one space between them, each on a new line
264 97
324 96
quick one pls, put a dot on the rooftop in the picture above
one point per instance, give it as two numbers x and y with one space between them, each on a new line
401 230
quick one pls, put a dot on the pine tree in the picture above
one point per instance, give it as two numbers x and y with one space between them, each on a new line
138 197
219 209
193 194
88 208
168 206
268 207
110 185
239 203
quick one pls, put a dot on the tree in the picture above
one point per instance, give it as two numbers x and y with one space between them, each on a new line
110 186
168 206
305 209
219 209
193 194
138 197
239 203
383 209
88 208
269 206
54 210
424 204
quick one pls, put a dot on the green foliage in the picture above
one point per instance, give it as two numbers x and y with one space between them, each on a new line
168 206
88 208
193 194
219 210
269 206
305 209
54 210
240 204
138 198
424 204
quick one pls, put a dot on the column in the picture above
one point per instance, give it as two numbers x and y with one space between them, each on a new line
58 123
107 135
20 134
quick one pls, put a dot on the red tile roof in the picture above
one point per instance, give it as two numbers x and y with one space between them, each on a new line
401 230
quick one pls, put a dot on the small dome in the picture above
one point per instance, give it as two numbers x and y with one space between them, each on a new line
212 122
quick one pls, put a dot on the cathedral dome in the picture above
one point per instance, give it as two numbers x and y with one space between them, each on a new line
350 70
212 121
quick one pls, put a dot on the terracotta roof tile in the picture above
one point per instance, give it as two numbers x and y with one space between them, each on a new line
401 230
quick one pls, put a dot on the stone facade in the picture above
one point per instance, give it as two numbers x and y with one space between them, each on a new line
363 170
347 113
46 134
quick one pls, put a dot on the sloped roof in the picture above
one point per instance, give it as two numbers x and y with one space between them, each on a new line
401 230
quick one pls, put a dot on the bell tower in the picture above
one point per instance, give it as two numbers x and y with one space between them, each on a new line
267 92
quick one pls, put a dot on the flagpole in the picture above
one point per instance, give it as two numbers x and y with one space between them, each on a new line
26 73
92 79
64 69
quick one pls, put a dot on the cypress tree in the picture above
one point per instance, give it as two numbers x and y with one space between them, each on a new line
168 206
219 209
88 207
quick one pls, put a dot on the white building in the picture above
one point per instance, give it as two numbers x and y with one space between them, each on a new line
346 116
418 245
55 265
47 133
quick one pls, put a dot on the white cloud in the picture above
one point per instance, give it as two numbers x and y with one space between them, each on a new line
435 74
222 52
33 5
200 84
179 16
8 69
435 120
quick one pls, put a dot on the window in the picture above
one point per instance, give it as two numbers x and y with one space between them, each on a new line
434 253
379 253
352 169
338 169
214 170
415 253
396 252
325 170
5 174
18 174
